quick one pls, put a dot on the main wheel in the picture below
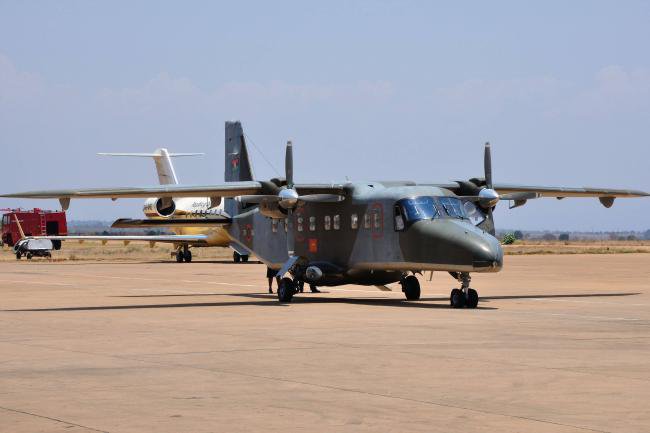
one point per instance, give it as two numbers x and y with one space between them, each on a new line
244 258
457 298
236 257
179 256
472 298
286 289
411 288
187 255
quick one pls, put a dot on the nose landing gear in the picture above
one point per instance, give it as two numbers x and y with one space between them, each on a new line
465 296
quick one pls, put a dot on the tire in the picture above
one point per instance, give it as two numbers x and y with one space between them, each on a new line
457 299
244 259
411 288
18 256
472 298
179 256
29 256
286 289
187 255
236 257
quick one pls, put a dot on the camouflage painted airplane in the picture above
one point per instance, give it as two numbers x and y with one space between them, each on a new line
367 233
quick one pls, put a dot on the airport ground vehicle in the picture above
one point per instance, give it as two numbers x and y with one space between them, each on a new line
33 248
34 222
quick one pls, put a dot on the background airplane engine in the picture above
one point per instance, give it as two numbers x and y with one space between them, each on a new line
159 207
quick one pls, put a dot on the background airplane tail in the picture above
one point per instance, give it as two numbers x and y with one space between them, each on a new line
163 160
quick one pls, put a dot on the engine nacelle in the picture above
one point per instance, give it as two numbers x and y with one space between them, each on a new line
159 207
272 210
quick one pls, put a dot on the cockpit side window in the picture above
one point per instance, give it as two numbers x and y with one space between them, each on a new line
415 209
399 219
475 215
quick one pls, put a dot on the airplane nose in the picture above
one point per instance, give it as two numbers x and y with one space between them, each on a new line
487 254
457 245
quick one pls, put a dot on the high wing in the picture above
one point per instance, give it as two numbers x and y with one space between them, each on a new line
176 239
561 192
521 193
229 189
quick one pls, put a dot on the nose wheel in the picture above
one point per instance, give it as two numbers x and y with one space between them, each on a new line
286 290
465 296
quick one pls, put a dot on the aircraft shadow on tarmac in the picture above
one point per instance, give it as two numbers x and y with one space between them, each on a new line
268 300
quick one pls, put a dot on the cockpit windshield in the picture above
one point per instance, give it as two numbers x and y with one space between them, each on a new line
411 210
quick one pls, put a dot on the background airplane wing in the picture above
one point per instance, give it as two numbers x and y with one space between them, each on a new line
177 239
171 222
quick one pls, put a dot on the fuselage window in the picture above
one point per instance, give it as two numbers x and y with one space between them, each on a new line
366 220
274 226
354 221
312 223
328 222
337 222
376 220
299 221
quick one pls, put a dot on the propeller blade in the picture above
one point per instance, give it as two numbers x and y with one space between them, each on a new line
321 198
291 249
257 199
288 165
487 161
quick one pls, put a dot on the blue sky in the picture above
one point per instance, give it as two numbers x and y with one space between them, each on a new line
367 90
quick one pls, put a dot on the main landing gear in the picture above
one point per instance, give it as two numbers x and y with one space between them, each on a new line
184 254
465 296
237 258
411 288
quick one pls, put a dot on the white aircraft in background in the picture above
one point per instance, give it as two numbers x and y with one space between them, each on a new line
185 215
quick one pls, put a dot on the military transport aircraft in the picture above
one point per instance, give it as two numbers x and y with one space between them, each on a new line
368 233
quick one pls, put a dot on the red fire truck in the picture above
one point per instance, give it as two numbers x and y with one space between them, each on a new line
35 222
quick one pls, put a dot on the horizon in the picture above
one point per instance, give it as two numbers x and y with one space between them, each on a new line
365 90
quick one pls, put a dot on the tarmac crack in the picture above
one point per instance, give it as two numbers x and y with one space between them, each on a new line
322 386
8 409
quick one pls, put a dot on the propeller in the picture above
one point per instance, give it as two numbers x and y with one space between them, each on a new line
288 198
488 197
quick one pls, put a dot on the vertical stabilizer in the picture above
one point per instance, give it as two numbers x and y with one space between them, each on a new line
164 167
238 165
163 160
237 162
